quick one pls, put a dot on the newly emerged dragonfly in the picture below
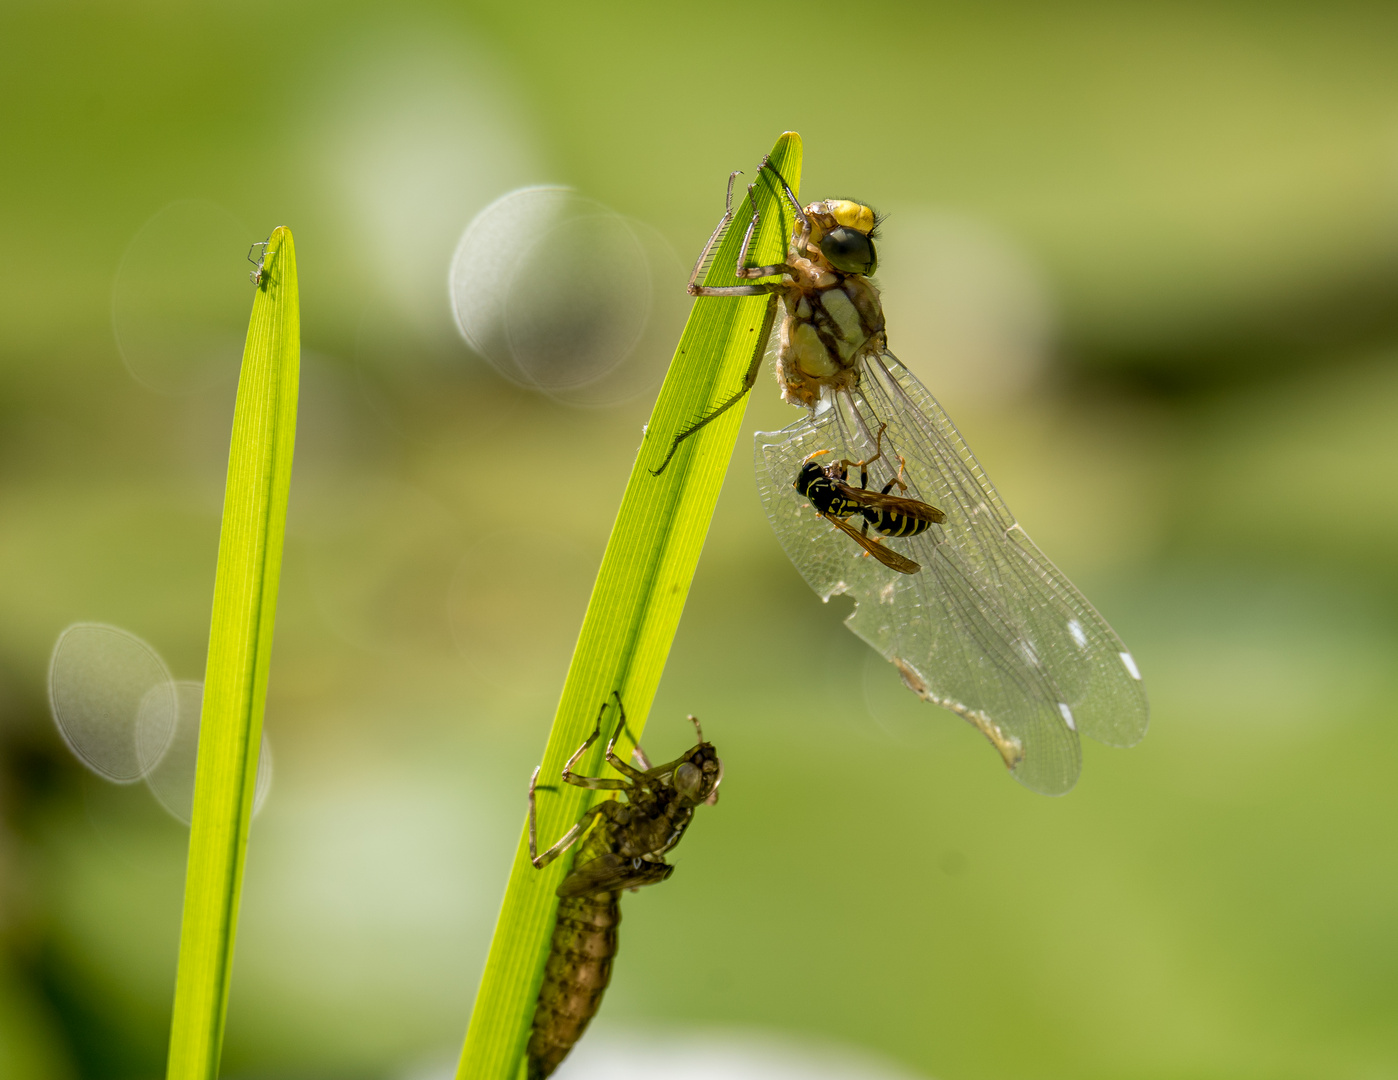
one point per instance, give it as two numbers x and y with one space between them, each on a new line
972 614
623 847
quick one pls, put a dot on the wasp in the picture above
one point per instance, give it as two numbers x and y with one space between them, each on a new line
974 617
834 498
623 846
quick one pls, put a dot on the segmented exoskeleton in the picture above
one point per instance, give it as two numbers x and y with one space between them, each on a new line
623 847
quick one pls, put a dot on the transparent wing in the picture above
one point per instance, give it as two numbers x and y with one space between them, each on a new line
989 628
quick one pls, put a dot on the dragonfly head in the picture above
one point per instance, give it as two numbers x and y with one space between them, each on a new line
845 230
697 778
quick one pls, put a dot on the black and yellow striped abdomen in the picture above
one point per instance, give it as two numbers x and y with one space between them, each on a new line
827 496
892 523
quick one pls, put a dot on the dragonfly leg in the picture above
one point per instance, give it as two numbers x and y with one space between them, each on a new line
614 761
593 783
769 289
751 273
637 754
596 731
566 841
749 380
741 269
693 287
802 237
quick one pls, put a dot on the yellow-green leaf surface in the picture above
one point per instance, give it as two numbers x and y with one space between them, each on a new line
635 608
240 646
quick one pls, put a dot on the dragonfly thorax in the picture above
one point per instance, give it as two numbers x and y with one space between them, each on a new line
832 324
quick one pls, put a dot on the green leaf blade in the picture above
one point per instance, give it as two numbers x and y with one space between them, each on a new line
235 678
634 611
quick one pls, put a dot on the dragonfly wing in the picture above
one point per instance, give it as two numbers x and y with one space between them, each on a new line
990 628
1092 670
612 872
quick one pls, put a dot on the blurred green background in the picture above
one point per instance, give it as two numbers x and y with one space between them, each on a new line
1146 255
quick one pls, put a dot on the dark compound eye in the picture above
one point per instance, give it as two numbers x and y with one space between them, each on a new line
689 780
849 250
809 474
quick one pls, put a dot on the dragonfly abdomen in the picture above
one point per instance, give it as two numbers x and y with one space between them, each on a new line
575 977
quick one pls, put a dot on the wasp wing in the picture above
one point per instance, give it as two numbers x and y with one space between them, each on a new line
990 629
899 504
883 553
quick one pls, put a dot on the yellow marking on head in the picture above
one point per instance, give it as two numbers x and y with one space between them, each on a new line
851 215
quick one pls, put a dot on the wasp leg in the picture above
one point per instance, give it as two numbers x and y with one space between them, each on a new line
897 479
863 466
862 424
749 380
566 841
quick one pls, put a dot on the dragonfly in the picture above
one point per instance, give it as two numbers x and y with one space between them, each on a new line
972 615
125 717
623 846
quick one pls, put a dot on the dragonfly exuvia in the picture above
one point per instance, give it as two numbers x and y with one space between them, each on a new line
623 847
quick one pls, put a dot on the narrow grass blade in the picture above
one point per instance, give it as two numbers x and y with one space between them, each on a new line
240 645
634 611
